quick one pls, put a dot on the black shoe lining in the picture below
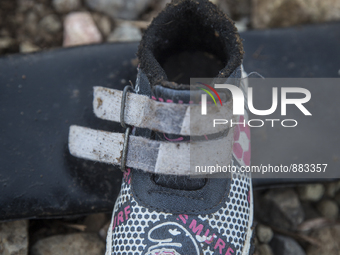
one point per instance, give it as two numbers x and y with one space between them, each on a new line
183 65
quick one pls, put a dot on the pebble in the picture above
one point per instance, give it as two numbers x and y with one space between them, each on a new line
283 245
329 238
103 22
280 208
80 29
42 9
337 198
264 249
14 237
5 42
264 233
123 9
4 32
225 6
328 209
27 47
72 244
24 5
95 222
104 229
310 211
51 23
240 8
65 6
332 188
242 25
284 13
125 33
311 192
31 22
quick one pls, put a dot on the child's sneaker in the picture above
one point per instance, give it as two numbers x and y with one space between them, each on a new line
165 214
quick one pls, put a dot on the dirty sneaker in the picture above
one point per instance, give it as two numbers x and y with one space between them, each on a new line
166 214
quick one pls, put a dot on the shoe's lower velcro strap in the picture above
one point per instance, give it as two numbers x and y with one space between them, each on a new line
143 112
149 155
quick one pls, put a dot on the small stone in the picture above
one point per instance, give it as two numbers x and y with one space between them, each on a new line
31 22
41 9
72 244
24 5
283 245
337 198
225 5
311 192
240 8
280 208
103 23
26 47
103 230
332 188
283 13
264 233
328 238
4 33
123 9
65 6
310 211
14 237
51 23
80 29
6 42
94 222
264 249
155 8
242 25
328 209
125 33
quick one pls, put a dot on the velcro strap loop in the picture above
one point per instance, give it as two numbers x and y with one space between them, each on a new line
171 118
148 155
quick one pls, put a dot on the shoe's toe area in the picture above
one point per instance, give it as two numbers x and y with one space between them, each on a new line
226 228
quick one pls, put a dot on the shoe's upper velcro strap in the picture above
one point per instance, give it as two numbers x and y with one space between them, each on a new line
171 118
149 155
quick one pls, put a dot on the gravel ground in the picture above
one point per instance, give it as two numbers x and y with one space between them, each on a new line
301 220
34 25
290 221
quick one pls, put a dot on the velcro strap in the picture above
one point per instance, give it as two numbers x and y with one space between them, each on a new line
148 155
141 111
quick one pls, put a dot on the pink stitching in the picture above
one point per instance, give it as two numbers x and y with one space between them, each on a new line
173 140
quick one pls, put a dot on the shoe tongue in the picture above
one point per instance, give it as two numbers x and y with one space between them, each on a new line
190 38
163 94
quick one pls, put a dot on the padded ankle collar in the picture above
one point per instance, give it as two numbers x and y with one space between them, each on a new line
189 25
